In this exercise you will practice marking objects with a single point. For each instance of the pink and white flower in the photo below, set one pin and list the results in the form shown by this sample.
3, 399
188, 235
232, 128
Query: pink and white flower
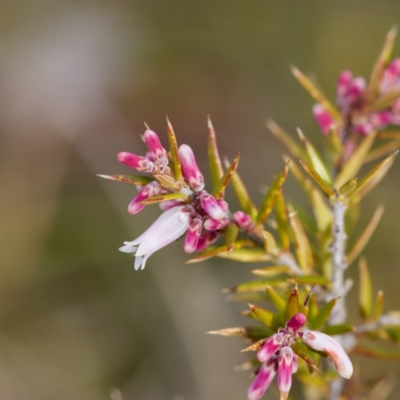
169, 226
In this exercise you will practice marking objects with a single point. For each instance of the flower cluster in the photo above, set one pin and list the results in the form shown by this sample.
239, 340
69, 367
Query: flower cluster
359, 114
188, 208
277, 356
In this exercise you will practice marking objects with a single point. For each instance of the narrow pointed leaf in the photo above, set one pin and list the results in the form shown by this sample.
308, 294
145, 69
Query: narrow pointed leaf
230, 234
268, 272
348, 187
269, 199
217, 250
292, 306
322, 317
311, 279
213, 156
321, 183
304, 352
382, 151
282, 222
218, 192
338, 329
258, 332
269, 242
353, 165
384, 101
376, 351
132, 179
294, 149
366, 235
378, 307
312, 307
256, 286
301, 243
277, 300
375, 171
173, 148
315, 159
381, 62
268, 318
246, 255
316, 94
164, 197
242, 194
365, 293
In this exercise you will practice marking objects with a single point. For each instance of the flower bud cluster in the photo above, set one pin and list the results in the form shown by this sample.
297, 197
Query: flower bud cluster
278, 357
196, 212
353, 100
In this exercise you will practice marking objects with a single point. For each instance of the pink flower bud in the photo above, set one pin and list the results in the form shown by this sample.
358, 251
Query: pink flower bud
321, 342
296, 322
381, 119
153, 143
285, 362
344, 80
142, 164
211, 207
207, 239
192, 235
166, 205
149, 190
223, 204
215, 225
356, 89
190, 169
243, 220
270, 347
322, 117
261, 382
390, 79
364, 128
169, 226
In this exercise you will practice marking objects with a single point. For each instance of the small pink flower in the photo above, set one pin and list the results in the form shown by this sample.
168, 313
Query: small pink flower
211, 207
323, 118
243, 220
270, 347
142, 164
285, 365
215, 225
151, 189
192, 235
190, 169
263, 379
157, 150
169, 226
206, 239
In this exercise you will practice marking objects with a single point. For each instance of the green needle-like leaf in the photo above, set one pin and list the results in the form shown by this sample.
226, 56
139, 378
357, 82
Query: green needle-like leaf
268, 318
308, 355
315, 159
292, 306
322, 184
278, 301
338, 329
301, 243
132, 179
378, 307
268, 272
316, 94
365, 293
270, 197
164, 197
353, 165
320, 319
173, 148
223, 182
230, 234
213, 156
282, 221
242, 194
294, 149
348, 187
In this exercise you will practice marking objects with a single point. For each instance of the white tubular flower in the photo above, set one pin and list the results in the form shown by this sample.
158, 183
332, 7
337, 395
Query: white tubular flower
321, 342
169, 226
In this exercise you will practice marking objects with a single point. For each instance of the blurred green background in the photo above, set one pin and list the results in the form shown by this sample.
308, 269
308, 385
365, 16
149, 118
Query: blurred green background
78, 78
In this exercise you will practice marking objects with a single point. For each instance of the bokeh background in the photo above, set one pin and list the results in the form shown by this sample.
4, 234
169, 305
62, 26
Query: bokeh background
77, 80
